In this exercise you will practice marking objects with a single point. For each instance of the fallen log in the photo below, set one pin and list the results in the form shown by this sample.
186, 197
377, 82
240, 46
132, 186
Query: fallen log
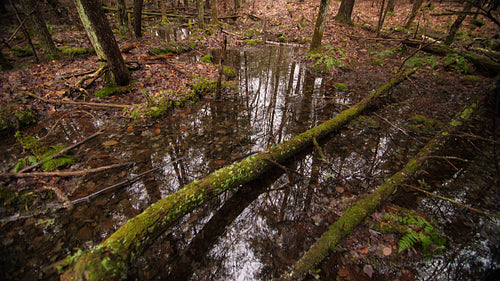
481, 63
355, 214
111, 259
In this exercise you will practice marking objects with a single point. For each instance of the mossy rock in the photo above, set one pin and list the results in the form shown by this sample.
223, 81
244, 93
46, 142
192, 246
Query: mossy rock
14, 118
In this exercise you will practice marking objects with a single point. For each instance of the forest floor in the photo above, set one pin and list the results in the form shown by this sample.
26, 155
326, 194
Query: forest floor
442, 84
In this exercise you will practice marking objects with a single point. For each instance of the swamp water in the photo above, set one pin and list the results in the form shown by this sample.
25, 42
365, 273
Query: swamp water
257, 231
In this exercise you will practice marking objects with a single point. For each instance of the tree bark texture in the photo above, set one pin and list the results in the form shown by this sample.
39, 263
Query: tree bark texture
102, 38
390, 5
345, 11
319, 27
40, 29
414, 11
355, 214
456, 25
215, 12
111, 259
200, 6
122, 17
138, 18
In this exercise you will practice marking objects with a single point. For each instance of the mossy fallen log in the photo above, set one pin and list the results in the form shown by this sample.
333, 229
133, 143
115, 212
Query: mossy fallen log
482, 63
111, 259
355, 214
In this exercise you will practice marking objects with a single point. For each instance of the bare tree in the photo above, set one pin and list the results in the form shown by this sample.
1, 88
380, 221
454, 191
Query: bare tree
345, 11
456, 25
138, 18
414, 11
319, 27
200, 6
97, 26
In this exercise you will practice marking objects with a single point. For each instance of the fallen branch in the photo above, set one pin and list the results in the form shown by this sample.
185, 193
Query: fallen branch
355, 214
113, 105
61, 152
111, 259
454, 202
62, 174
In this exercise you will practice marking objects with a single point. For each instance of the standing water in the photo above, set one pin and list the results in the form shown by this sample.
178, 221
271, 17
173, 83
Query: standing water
254, 232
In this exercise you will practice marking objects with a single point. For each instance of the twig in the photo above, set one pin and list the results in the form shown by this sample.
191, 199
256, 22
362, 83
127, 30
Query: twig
76, 102
61, 152
453, 201
320, 151
62, 173
60, 195
118, 185
22, 24
389, 122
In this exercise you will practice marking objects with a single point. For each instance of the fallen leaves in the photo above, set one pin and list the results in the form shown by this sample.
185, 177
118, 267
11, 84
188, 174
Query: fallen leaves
110, 143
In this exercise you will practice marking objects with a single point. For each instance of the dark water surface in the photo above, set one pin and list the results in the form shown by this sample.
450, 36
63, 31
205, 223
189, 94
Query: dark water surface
258, 230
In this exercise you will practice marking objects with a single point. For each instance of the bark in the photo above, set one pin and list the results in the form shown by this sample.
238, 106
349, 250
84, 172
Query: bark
102, 38
137, 18
345, 11
200, 6
390, 5
381, 18
111, 259
4, 62
319, 27
414, 11
40, 29
456, 25
122, 17
481, 63
163, 8
215, 15
355, 214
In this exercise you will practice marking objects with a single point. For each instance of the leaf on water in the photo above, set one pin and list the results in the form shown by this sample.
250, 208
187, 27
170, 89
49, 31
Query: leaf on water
387, 251
368, 269
110, 143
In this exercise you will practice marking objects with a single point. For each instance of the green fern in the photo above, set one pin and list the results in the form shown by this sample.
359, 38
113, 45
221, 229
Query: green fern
415, 230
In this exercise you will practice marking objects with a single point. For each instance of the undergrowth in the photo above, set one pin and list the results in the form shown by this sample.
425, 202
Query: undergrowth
414, 228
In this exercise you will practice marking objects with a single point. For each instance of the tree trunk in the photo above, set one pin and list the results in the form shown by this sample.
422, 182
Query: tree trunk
4, 62
122, 17
456, 25
40, 29
355, 214
414, 11
319, 27
111, 259
381, 18
345, 11
390, 6
163, 8
215, 16
102, 38
138, 18
200, 6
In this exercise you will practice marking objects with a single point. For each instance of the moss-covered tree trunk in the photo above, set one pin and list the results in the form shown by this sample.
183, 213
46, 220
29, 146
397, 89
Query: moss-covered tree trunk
122, 17
102, 38
345, 11
319, 27
355, 214
111, 259
39, 28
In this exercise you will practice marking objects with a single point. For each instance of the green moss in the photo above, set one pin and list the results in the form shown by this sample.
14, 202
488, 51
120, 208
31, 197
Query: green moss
472, 79
340, 86
421, 123
110, 90
229, 72
207, 59
67, 50
253, 42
